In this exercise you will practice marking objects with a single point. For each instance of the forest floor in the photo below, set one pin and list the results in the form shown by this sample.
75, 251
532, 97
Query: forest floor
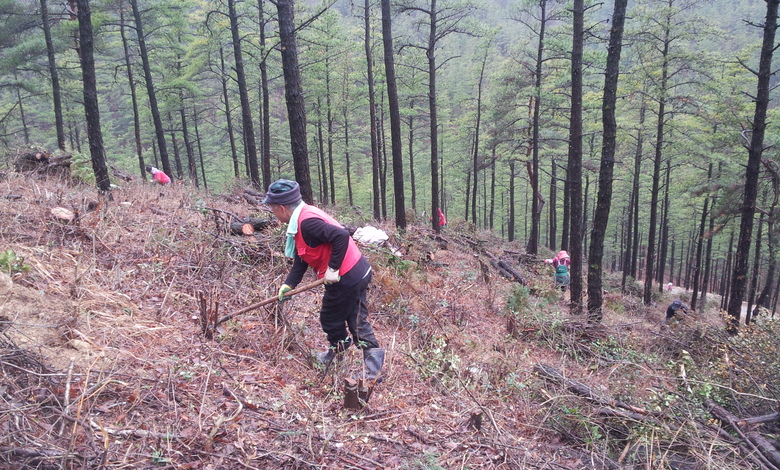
106, 363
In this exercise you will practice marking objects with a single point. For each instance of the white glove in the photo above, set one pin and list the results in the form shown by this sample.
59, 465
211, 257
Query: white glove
332, 276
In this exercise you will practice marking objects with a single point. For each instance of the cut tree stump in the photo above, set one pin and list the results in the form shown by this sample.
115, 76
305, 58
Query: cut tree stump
351, 398
62, 214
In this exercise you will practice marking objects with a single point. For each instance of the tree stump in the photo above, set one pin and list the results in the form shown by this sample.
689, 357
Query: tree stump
351, 398
62, 214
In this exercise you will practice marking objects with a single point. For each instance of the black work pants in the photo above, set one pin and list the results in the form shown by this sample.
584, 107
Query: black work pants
345, 307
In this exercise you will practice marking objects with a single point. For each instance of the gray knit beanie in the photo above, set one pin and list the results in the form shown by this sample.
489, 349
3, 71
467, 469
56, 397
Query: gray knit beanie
283, 192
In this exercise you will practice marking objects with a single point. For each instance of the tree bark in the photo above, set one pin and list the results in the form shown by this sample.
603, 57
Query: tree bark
575, 158
55, 81
200, 148
91, 110
265, 141
532, 246
395, 118
250, 149
133, 96
756, 268
511, 223
609, 139
372, 110
659, 141
664, 238
153, 107
699, 249
228, 115
754, 160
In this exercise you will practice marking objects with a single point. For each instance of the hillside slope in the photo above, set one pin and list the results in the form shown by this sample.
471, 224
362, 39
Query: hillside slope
105, 363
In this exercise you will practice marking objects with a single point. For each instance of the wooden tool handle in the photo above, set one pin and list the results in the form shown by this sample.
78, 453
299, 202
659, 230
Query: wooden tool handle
269, 300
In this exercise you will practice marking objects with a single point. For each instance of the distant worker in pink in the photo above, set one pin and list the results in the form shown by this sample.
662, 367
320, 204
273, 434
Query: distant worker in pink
669, 287
561, 263
158, 176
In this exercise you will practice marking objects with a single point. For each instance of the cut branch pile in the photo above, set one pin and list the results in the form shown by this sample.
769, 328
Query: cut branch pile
748, 443
43, 162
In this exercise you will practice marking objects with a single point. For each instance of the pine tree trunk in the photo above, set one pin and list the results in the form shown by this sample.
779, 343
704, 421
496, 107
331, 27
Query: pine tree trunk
553, 222
756, 268
627, 260
664, 239
412, 182
200, 149
511, 222
372, 110
575, 158
55, 81
395, 118
532, 247
346, 155
92, 112
323, 171
475, 158
25, 129
329, 117
133, 97
635, 187
153, 107
250, 149
176, 155
699, 249
265, 115
228, 114
725, 278
609, 139
657, 166
382, 158
492, 189
192, 166
432, 108
754, 160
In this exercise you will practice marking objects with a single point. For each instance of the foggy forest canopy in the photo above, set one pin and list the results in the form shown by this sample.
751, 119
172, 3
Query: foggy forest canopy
687, 70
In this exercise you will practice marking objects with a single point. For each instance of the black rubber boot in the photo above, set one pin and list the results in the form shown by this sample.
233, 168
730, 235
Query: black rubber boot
373, 360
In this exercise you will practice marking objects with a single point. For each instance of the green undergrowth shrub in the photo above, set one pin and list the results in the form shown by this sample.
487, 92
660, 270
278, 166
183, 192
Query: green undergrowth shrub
748, 369
11, 263
532, 315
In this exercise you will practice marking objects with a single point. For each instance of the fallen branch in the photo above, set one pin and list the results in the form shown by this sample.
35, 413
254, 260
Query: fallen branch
583, 390
505, 270
769, 456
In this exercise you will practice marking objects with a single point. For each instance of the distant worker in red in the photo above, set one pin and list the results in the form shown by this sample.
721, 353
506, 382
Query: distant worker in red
561, 263
317, 240
158, 176
442, 219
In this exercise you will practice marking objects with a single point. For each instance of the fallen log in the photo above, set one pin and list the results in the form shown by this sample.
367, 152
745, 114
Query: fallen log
505, 269
765, 451
122, 175
249, 225
583, 390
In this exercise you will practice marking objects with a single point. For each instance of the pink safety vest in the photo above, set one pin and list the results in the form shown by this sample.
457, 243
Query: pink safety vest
161, 177
319, 256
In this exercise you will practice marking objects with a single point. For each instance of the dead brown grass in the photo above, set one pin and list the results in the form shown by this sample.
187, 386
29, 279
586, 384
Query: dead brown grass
104, 364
